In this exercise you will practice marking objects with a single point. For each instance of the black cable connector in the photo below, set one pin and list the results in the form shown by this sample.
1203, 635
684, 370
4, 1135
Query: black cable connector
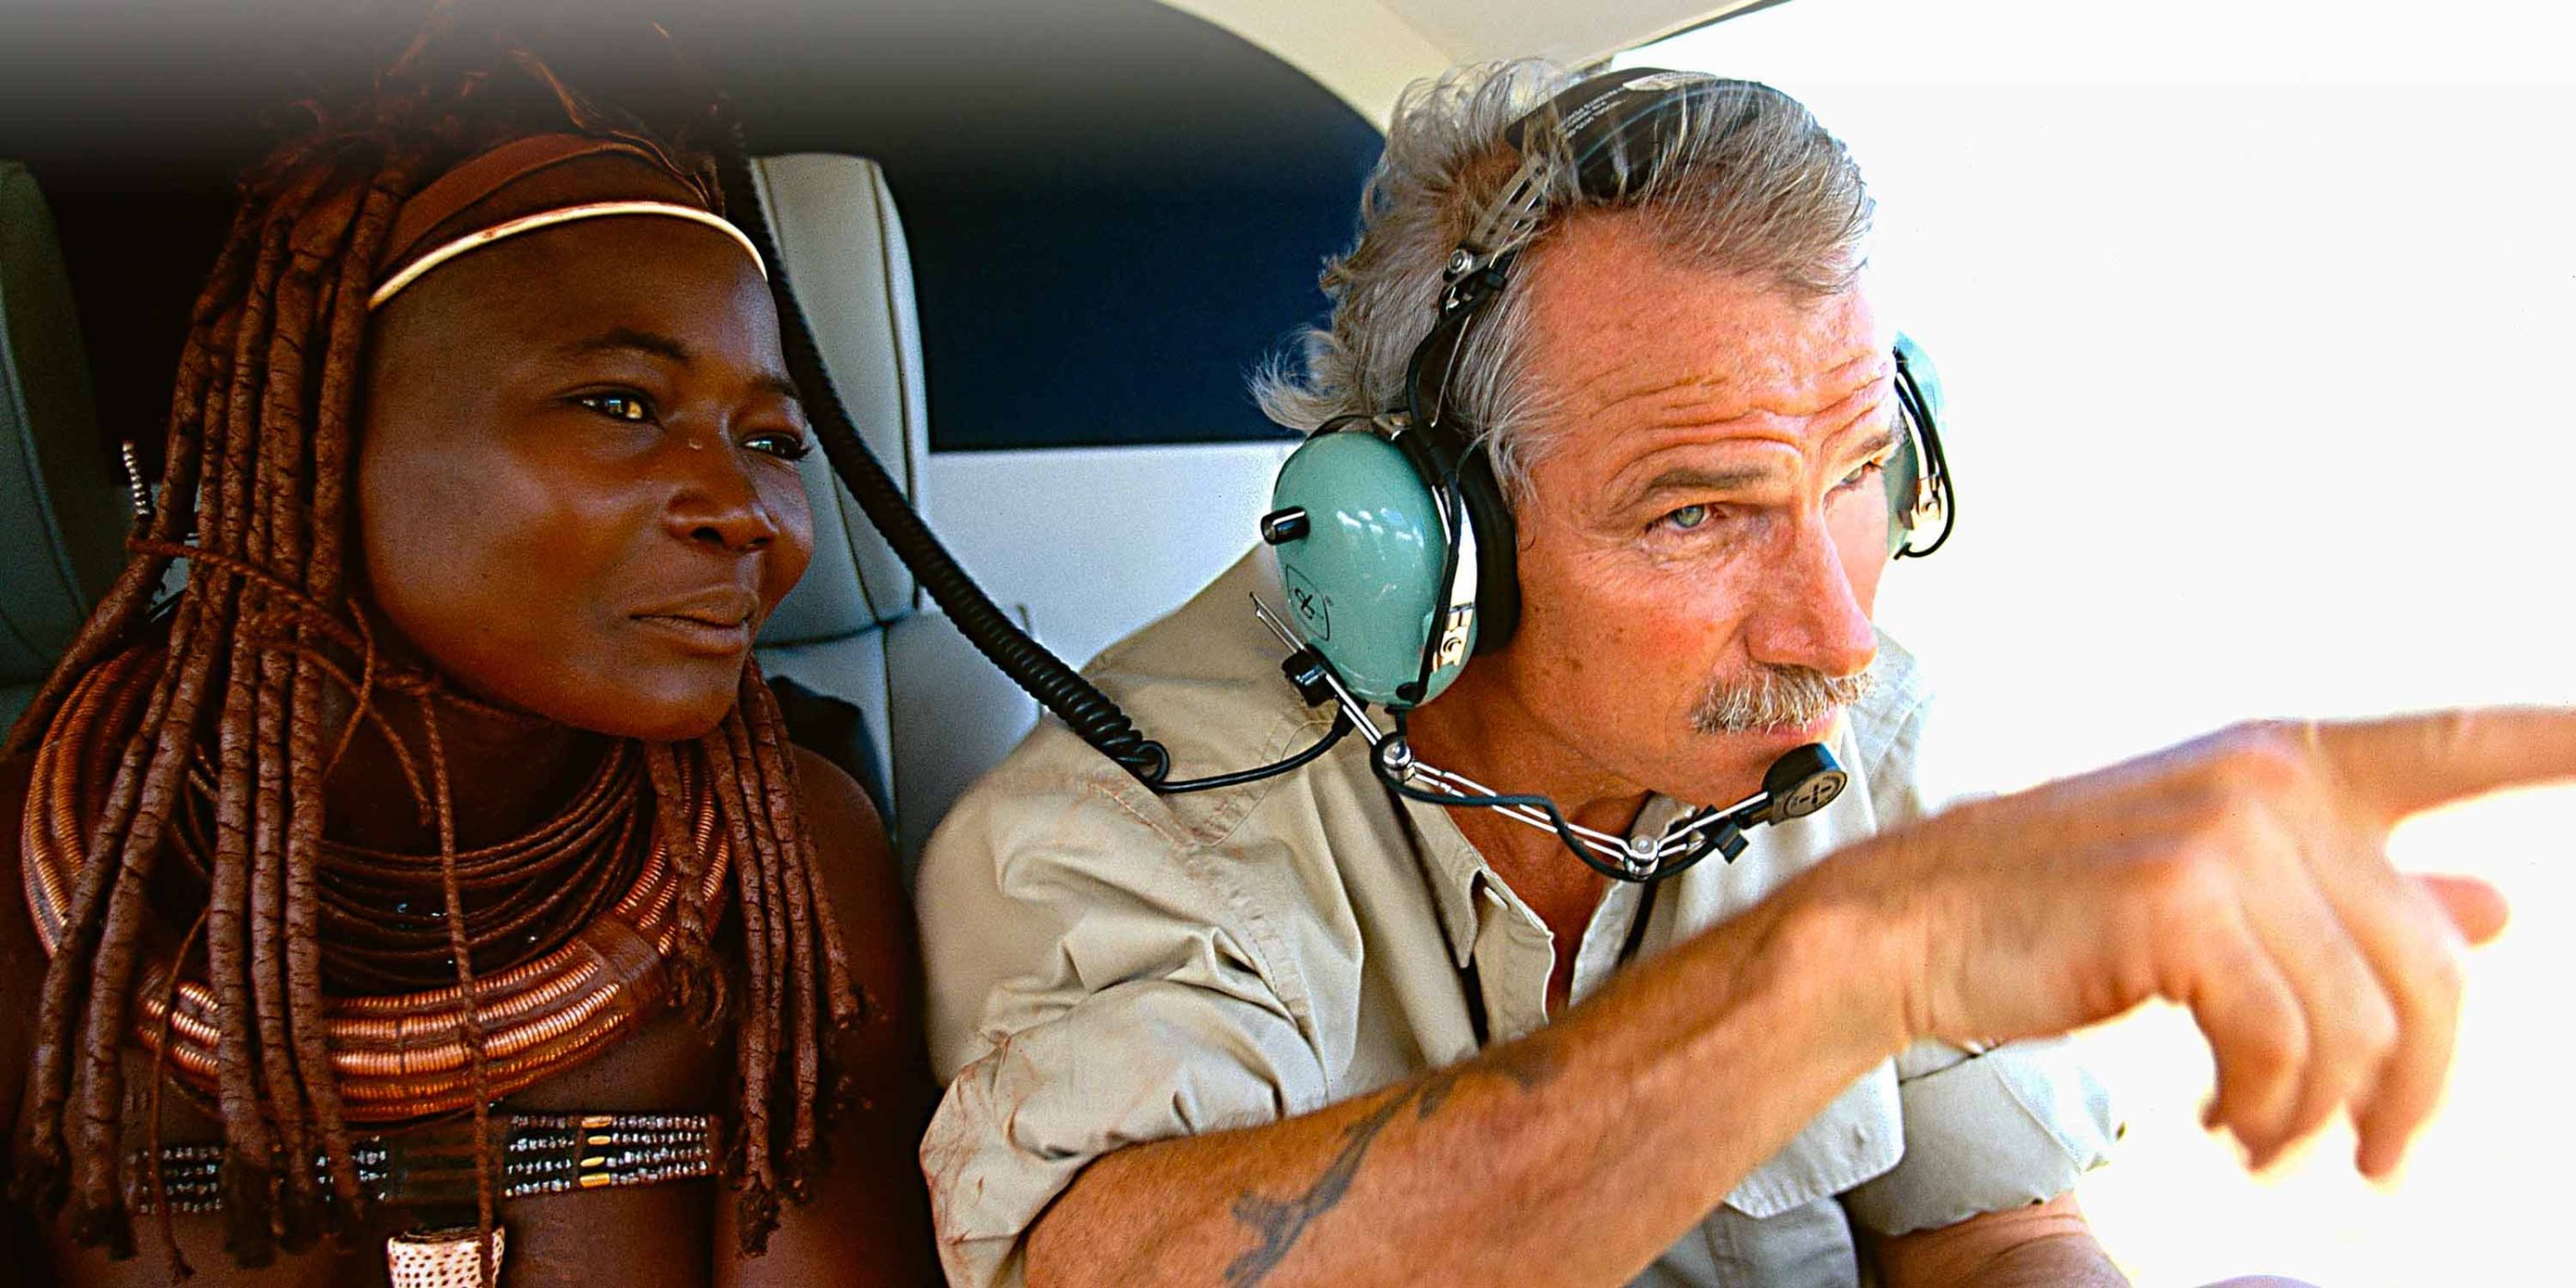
1306, 671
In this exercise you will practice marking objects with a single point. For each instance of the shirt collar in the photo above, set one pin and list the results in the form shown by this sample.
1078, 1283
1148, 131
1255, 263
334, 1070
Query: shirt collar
1454, 865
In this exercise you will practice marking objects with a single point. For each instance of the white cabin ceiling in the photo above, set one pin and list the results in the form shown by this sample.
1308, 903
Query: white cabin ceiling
1474, 30
1367, 51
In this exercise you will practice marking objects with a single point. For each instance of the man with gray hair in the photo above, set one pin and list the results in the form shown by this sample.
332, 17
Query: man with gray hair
1327, 1025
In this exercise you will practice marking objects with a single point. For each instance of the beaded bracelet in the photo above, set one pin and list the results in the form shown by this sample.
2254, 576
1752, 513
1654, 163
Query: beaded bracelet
539, 1154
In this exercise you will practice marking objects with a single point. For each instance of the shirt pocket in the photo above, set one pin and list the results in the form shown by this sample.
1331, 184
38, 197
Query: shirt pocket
1860, 1135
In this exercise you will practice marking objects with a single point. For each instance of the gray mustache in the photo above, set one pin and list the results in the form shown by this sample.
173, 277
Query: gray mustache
1775, 697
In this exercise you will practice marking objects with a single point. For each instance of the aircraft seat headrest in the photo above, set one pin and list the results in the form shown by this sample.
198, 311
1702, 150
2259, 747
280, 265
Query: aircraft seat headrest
63, 515
837, 230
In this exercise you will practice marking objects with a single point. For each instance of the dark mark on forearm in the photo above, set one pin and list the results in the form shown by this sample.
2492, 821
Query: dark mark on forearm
1528, 1065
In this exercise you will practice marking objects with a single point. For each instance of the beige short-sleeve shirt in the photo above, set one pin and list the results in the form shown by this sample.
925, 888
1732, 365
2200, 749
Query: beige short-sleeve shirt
1110, 967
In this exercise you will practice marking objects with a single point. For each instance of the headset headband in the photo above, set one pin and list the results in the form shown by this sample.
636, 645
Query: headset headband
1614, 131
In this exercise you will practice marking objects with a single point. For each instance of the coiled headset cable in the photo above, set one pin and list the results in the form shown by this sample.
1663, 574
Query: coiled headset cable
1087, 711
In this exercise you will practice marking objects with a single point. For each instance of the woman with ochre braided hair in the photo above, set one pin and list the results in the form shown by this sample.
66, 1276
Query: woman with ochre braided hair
429, 888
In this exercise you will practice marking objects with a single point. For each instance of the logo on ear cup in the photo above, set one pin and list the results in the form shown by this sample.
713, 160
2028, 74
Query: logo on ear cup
1454, 637
1314, 608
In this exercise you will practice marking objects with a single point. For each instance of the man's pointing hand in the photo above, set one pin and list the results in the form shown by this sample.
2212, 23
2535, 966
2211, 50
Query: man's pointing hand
2244, 875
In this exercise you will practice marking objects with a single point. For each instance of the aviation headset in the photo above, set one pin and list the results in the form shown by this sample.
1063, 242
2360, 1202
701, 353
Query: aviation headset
1393, 538
1395, 542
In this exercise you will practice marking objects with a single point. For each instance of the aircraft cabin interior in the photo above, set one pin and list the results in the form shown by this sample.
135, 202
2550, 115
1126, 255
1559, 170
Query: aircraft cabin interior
1044, 246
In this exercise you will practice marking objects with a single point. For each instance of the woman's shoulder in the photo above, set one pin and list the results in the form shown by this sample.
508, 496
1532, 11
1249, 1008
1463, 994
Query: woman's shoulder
865, 884
850, 838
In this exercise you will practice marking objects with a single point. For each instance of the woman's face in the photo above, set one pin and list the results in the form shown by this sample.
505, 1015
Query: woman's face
577, 489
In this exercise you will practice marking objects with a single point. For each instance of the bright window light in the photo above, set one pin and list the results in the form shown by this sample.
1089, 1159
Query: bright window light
2256, 322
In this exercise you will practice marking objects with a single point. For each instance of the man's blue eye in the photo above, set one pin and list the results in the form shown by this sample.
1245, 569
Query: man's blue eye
1859, 476
1687, 518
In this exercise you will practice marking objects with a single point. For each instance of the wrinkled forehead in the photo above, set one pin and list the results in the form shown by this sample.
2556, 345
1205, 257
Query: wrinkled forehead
1622, 328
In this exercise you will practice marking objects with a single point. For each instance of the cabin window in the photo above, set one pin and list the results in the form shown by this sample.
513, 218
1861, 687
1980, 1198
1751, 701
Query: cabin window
2253, 321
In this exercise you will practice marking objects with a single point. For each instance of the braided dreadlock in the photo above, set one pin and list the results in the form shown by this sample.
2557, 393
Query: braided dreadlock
256, 499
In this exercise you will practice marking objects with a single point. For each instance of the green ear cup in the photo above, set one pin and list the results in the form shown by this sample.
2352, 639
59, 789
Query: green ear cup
1361, 551
1904, 471
1926, 376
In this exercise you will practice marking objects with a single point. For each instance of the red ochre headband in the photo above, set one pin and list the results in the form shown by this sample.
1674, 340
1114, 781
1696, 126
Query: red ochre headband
492, 172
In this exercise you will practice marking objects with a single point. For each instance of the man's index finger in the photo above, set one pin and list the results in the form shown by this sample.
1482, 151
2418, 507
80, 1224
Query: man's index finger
2406, 764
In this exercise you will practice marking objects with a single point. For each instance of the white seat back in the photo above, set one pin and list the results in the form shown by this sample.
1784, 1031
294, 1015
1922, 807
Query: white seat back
935, 715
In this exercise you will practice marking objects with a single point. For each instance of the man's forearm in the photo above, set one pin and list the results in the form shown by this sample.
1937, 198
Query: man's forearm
1573, 1155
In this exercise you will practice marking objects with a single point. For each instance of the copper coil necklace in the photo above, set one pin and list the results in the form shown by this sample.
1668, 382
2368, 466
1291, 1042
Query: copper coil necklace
383, 926
575, 971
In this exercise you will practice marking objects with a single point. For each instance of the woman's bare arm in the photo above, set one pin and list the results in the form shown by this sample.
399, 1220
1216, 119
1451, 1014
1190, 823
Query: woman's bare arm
868, 1221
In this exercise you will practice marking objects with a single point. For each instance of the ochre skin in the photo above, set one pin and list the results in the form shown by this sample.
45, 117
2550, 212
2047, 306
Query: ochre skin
563, 518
